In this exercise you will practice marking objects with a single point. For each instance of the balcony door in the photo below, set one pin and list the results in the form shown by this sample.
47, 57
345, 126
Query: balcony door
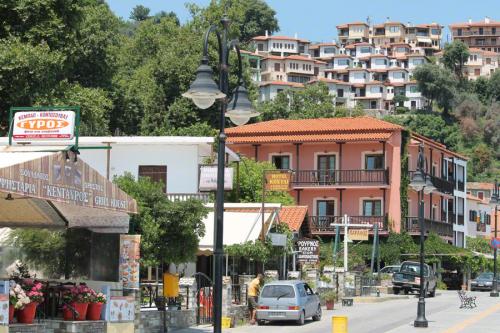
372, 207
281, 162
325, 210
326, 167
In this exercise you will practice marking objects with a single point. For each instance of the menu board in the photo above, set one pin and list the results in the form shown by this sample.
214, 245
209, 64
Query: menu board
129, 260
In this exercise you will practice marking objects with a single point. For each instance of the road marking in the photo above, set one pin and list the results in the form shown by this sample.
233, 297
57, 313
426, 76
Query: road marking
474, 319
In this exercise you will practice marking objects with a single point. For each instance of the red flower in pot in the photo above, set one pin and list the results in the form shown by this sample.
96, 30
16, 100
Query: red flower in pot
76, 302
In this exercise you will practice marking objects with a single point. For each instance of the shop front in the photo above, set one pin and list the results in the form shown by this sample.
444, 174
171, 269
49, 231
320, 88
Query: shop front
50, 187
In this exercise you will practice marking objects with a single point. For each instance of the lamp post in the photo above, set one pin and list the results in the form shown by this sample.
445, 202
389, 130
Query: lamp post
421, 184
204, 92
495, 200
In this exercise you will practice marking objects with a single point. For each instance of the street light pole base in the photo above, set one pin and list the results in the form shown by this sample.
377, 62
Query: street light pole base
494, 294
421, 323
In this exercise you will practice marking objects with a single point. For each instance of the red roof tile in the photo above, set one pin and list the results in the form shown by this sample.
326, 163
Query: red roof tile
280, 38
293, 216
313, 130
282, 83
479, 186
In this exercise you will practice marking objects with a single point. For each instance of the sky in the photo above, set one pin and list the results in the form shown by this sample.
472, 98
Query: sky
316, 19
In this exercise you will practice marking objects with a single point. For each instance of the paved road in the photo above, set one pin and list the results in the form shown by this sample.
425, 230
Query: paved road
396, 317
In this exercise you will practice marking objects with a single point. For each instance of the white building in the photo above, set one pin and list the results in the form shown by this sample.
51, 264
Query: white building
478, 217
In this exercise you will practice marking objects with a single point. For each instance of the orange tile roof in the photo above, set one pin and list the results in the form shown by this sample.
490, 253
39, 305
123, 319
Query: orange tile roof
324, 79
475, 24
282, 83
438, 145
479, 186
293, 216
313, 130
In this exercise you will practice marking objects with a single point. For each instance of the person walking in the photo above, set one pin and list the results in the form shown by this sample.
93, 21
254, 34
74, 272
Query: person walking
253, 296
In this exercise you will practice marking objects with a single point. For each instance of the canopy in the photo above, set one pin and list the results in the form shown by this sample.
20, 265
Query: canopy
55, 189
239, 227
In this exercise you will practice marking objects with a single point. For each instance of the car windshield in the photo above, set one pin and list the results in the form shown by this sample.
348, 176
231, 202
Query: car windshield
278, 291
412, 268
485, 276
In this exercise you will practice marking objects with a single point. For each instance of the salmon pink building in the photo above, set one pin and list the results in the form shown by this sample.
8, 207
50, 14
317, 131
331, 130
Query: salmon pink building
360, 167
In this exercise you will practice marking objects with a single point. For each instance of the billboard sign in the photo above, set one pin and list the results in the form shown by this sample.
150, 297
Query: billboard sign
208, 178
43, 125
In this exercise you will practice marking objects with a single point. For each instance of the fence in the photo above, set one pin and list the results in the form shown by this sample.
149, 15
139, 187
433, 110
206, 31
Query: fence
151, 291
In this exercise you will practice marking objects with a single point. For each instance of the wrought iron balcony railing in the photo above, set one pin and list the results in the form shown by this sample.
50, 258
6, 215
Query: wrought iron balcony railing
340, 177
442, 185
443, 229
326, 224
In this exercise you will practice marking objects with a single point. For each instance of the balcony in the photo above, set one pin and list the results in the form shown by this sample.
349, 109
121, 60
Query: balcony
321, 178
442, 185
322, 225
443, 229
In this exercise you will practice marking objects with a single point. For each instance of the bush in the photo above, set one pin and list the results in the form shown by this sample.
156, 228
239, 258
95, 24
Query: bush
441, 285
328, 296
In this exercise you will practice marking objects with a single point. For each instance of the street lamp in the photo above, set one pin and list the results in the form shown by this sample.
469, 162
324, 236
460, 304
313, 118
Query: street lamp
495, 200
204, 92
421, 183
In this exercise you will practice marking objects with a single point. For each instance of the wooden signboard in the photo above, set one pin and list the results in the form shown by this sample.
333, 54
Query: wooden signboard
278, 180
358, 234
56, 177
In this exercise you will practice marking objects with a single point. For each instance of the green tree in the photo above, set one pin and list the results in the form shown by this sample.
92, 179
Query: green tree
139, 13
494, 86
250, 184
481, 159
437, 84
170, 230
454, 56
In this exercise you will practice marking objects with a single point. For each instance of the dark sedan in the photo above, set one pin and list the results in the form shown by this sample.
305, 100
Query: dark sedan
484, 281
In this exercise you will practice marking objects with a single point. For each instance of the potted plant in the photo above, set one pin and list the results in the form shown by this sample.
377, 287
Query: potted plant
17, 299
329, 297
97, 300
76, 303
33, 291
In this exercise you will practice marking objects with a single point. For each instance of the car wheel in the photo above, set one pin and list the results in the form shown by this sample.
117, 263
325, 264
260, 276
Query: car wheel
317, 316
302, 319
260, 322
396, 291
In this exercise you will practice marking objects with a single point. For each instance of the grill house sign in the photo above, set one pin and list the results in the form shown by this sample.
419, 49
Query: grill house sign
55, 178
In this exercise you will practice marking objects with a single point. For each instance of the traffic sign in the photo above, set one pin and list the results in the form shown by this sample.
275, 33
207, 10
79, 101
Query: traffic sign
495, 243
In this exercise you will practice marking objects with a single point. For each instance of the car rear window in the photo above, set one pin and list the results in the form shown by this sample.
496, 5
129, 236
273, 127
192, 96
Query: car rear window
276, 291
413, 268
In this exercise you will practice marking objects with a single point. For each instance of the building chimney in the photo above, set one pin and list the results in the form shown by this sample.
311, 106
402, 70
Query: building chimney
267, 33
487, 20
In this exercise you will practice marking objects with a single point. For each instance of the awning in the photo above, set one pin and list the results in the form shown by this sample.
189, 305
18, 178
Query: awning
424, 40
55, 189
239, 228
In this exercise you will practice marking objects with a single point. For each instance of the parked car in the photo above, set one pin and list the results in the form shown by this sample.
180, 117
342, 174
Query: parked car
483, 281
288, 300
388, 270
408, 279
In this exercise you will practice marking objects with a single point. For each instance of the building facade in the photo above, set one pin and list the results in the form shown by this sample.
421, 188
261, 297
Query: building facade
478, 217
484, 35
356, 167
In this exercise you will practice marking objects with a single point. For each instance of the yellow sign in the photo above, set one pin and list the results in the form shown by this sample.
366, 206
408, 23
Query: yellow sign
277, 181
358, 234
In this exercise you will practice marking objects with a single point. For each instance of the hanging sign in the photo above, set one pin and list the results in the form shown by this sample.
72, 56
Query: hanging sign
358, 234
129, 260
208, 178
278, 180
308, 251
495, 243
43, 125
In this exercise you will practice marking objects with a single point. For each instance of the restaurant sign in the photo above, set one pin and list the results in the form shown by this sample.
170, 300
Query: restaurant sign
129, 260
308, 251
277, 180
43, 125
56, 177
358, 234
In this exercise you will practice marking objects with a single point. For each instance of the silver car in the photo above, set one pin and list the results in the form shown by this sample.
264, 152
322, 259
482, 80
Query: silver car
290, 300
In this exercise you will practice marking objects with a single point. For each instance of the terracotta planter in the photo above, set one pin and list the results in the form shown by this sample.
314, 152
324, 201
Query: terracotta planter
94, 311
27, 314
11, 313
329, 305
80, 308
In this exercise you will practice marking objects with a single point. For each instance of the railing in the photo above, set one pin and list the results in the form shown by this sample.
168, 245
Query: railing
476, 33
443, 229
460, 185
323, 224
204, 197
442, 185
151, 291
340, 177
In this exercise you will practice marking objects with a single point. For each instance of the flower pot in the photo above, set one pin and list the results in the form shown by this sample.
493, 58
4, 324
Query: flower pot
329, 305
80, 308
27, 314
94, 311
11, 313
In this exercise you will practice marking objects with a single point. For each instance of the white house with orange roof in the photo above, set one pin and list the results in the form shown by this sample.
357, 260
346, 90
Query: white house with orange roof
484, 34
354, 166
479, 217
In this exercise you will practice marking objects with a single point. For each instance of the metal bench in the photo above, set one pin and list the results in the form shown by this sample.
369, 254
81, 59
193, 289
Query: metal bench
347, 301
466, 302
